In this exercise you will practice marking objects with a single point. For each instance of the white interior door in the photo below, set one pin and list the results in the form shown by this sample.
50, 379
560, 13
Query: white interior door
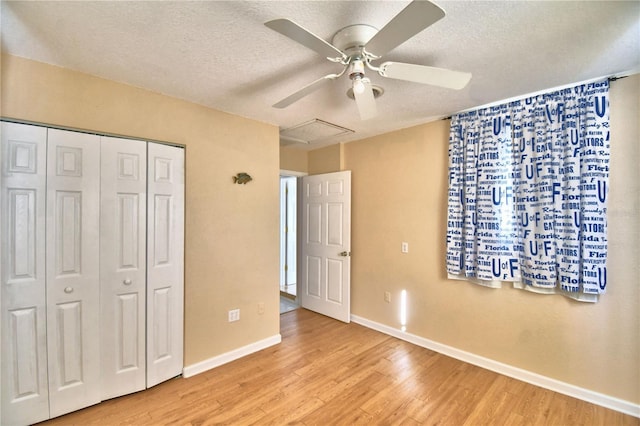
25, 394
165, 262
326, 244
73, 223
122, 265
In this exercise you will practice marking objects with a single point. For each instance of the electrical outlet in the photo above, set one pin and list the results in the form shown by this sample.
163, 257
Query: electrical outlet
387, 297
260, 308
234, 315
405, 247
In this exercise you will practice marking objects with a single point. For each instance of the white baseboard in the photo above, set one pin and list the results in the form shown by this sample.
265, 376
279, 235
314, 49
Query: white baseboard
216, 361
607, 401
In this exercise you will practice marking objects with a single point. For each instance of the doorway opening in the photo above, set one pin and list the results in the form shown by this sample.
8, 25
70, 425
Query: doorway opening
288, 240
288, 189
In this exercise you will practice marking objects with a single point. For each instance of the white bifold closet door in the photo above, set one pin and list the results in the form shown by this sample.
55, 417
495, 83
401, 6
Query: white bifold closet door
165, 263
91, 269
25, 386
123, 265
142, 264
73, 265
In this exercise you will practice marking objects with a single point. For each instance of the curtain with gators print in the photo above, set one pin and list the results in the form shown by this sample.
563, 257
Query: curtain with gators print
528, 184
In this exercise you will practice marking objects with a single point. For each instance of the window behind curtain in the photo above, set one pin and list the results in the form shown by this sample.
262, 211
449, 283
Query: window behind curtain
528, 184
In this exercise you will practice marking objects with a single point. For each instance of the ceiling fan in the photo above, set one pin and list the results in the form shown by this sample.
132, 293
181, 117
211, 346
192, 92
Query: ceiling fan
356, 46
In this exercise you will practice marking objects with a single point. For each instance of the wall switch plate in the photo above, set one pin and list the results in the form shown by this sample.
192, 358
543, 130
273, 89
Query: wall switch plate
234, 315
387, 297
405, 247
260, 308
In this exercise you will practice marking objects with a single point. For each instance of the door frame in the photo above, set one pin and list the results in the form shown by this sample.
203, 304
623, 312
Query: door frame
298, 175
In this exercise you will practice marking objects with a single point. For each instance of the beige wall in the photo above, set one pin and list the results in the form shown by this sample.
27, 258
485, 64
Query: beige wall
228, 227
323, 160
400, 194
326, 160
293, 159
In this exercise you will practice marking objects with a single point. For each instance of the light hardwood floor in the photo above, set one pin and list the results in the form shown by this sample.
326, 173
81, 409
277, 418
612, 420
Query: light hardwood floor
326, 372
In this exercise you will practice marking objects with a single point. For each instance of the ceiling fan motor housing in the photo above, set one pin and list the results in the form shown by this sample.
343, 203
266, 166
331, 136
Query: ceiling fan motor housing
352, 39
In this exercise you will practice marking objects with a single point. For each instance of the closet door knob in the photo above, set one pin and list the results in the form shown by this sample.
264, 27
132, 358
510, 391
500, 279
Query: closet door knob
68, 290
127, 281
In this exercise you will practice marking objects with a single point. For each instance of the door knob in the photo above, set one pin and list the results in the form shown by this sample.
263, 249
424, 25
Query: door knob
68, 290
345, 253
127, 281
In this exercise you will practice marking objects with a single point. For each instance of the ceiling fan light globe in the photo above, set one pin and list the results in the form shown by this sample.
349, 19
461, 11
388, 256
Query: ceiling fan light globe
358, 86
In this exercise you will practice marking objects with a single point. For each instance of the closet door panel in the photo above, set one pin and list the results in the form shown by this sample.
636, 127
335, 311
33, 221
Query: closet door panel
123, 265
165, 263
72, 244
25, 394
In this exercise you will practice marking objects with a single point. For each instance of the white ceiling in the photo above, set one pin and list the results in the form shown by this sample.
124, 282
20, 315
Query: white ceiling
219, 53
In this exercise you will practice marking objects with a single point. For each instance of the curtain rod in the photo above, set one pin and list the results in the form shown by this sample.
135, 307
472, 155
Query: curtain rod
610, 78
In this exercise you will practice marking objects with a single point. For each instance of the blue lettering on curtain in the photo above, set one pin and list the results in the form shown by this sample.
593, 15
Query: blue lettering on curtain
528, 185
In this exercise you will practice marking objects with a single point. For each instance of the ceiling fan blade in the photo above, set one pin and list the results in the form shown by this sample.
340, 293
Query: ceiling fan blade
425, 75
366, 101
304, 37
414, 18
306, 90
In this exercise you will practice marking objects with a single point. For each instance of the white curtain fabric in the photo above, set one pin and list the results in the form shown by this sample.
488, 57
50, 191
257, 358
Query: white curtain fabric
528, 185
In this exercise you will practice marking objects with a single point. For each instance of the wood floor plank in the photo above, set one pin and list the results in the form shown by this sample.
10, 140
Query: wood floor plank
291, 410
326, 372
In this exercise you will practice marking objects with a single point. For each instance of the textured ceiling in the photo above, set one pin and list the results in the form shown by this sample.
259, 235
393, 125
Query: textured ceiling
219, 53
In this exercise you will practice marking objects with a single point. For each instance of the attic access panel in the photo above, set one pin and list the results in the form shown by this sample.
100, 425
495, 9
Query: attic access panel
312, 131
